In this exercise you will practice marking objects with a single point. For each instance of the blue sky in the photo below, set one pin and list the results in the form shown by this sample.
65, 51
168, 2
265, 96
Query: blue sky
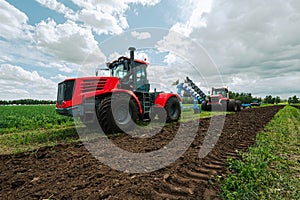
249, 46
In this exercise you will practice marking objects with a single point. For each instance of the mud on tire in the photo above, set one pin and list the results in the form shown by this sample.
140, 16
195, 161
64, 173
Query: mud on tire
117, 113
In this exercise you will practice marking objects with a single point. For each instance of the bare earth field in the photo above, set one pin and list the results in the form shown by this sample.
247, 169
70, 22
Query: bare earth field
69, 171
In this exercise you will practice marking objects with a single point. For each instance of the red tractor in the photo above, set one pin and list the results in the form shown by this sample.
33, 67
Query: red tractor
116, 102
219, 100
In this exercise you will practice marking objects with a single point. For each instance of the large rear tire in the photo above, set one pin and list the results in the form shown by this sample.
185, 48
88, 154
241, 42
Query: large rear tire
232, 106
117, 113
224, 106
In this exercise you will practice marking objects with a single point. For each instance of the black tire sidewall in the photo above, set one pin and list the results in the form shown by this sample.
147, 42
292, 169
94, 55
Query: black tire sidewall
129, 103
173, 103
106, 117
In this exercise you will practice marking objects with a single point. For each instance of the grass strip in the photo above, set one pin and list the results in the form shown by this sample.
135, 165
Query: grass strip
271, 168
24, 141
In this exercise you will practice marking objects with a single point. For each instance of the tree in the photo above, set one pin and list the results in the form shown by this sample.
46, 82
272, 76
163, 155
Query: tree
293, 99
26, 102
277, 99
269, 99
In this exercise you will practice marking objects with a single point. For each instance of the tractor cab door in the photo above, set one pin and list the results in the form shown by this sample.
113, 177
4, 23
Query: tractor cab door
142, 83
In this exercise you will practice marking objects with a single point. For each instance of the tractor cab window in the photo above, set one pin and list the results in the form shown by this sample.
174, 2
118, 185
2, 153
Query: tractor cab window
140, 74
119, 71
142, 83
222, 92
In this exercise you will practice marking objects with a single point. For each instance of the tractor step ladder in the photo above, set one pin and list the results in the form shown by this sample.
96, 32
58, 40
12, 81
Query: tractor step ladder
146, 103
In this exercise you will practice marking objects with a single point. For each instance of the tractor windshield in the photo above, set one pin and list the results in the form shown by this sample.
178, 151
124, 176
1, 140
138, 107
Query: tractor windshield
119, 71
220, 91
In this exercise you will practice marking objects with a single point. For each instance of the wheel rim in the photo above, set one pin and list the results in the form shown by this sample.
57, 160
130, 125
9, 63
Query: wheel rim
122, 114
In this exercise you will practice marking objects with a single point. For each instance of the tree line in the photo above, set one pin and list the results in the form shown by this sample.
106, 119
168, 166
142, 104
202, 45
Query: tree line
243, 97
26, 102
293, 99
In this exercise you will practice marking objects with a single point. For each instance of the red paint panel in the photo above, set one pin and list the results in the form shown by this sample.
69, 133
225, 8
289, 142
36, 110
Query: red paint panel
162, 98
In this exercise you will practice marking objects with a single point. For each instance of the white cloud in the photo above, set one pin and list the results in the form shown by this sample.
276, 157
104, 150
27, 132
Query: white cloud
57, 6
59, 77
186, 55
106, 16
259, 39
19, 83
262, 87
68, 42
197, 11
141, 35
13, 22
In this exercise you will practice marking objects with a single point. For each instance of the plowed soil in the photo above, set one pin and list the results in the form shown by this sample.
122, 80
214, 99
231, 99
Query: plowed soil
69, 171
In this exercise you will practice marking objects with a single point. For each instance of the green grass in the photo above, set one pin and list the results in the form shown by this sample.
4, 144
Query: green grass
269, 104
188, 115
270, 169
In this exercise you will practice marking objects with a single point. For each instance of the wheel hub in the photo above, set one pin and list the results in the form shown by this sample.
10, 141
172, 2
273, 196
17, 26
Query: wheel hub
122, 114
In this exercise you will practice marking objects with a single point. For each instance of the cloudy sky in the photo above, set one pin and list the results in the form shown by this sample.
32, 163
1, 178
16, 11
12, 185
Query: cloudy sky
249, 46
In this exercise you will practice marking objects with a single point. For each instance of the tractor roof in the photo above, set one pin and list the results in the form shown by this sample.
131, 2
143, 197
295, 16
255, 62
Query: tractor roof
120, 60
138, 61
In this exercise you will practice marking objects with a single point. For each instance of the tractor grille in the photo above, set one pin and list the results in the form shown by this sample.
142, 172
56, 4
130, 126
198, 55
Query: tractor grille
92, 85
65, 91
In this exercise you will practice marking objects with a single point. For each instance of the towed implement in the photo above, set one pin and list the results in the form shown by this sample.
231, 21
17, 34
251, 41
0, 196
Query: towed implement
117, 101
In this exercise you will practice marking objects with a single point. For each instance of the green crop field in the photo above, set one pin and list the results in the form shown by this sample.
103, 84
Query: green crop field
24, 128
28, 127
26, 118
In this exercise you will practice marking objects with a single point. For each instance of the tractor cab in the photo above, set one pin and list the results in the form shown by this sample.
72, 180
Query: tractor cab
220, 91
132, 74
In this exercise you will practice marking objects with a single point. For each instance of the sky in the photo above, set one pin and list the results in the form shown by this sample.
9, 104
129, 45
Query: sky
249, 46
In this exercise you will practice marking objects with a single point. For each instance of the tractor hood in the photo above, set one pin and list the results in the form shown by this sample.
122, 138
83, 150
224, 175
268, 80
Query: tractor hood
71, 92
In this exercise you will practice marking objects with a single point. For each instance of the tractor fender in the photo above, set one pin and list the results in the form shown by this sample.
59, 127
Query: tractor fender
162, 99
132, 95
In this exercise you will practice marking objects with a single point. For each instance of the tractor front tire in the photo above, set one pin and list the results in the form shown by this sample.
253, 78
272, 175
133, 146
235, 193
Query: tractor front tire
117, 114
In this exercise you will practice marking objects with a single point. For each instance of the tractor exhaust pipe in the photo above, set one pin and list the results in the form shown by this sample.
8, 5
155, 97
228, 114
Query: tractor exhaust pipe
132, 49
